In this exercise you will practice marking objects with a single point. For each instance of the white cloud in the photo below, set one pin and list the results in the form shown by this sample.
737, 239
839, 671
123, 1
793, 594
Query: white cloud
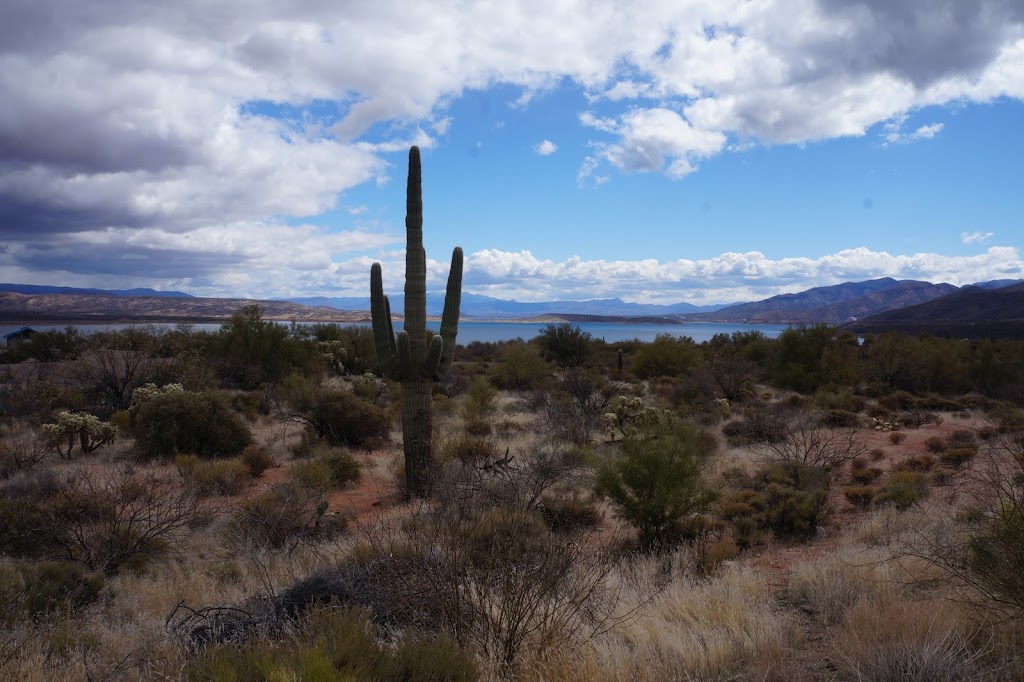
975, 237
181, 118
545, 148
726, 278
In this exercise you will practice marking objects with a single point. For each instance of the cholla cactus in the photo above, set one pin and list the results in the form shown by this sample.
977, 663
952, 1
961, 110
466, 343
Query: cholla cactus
629, 415
85, 430
150, 391
333, 354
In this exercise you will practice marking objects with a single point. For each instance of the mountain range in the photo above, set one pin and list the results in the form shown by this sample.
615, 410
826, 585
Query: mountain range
971, 312
486, 307
993, 308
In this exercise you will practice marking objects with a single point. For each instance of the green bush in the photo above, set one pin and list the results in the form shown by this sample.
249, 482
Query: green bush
339, 417
330, 469
521, 368
905, 488
790, 499
657, 481
257, 459
860, 495
189, 423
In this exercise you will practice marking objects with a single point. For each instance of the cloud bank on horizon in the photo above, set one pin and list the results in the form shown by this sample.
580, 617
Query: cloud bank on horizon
214, 146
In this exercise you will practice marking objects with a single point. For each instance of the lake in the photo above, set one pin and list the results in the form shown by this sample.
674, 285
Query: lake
504, 331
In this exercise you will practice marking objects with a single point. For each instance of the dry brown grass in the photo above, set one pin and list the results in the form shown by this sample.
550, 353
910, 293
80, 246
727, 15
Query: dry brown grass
707, 629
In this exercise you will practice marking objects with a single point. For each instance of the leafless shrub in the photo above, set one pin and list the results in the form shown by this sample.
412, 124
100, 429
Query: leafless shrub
21, 449
495, 576
105, 522
807, 440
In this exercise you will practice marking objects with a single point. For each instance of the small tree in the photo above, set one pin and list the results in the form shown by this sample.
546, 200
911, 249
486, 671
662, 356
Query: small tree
657, 482
565, 344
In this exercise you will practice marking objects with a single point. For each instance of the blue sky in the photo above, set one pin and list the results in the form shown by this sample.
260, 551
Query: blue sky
657, 151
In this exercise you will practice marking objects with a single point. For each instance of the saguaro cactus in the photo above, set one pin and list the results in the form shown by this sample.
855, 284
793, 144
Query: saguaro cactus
412, 358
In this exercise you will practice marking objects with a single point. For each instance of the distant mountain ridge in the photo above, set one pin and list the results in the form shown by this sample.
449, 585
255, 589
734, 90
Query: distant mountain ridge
971, 312
476, 305
104, 307
844, 303
34, 289
834, 304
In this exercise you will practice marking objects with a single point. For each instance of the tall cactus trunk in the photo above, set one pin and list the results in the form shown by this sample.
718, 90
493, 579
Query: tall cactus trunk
410, 359
417, 435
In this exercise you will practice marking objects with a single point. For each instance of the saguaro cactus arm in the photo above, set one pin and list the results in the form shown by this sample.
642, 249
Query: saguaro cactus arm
450, 317
383, 330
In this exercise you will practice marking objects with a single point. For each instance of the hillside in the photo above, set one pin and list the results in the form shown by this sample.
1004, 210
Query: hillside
58, 308
972, 312
834, 304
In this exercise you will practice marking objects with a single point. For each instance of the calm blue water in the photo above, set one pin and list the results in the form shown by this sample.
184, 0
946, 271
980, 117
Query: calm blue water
504, 331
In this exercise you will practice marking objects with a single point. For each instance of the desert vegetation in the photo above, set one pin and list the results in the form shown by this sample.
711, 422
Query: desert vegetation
233, 506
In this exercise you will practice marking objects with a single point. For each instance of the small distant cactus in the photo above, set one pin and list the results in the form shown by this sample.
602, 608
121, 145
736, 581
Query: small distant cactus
414, 358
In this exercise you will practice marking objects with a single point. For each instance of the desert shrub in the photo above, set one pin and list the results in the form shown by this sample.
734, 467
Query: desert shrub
958, 457
222, 477
479, 403
790, 499
338, 645
657, 481
283, 515
806, 440
472, 449
841, 418
329, 469
904, 489
257, 459
666, 355
57, 586
565, 344
521, 368
896, 437
861, 473
373, 389
569, 513
860, 495
760, 423
478, 428
962, 437
107, 523
915, 463
21, 450
480, 562
188, 423
935, 444
339, 417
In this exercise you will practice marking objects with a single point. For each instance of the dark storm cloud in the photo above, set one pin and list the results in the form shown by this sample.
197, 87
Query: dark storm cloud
919, 40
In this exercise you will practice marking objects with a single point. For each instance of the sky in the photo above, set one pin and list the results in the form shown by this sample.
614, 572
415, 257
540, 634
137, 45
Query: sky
706, 151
